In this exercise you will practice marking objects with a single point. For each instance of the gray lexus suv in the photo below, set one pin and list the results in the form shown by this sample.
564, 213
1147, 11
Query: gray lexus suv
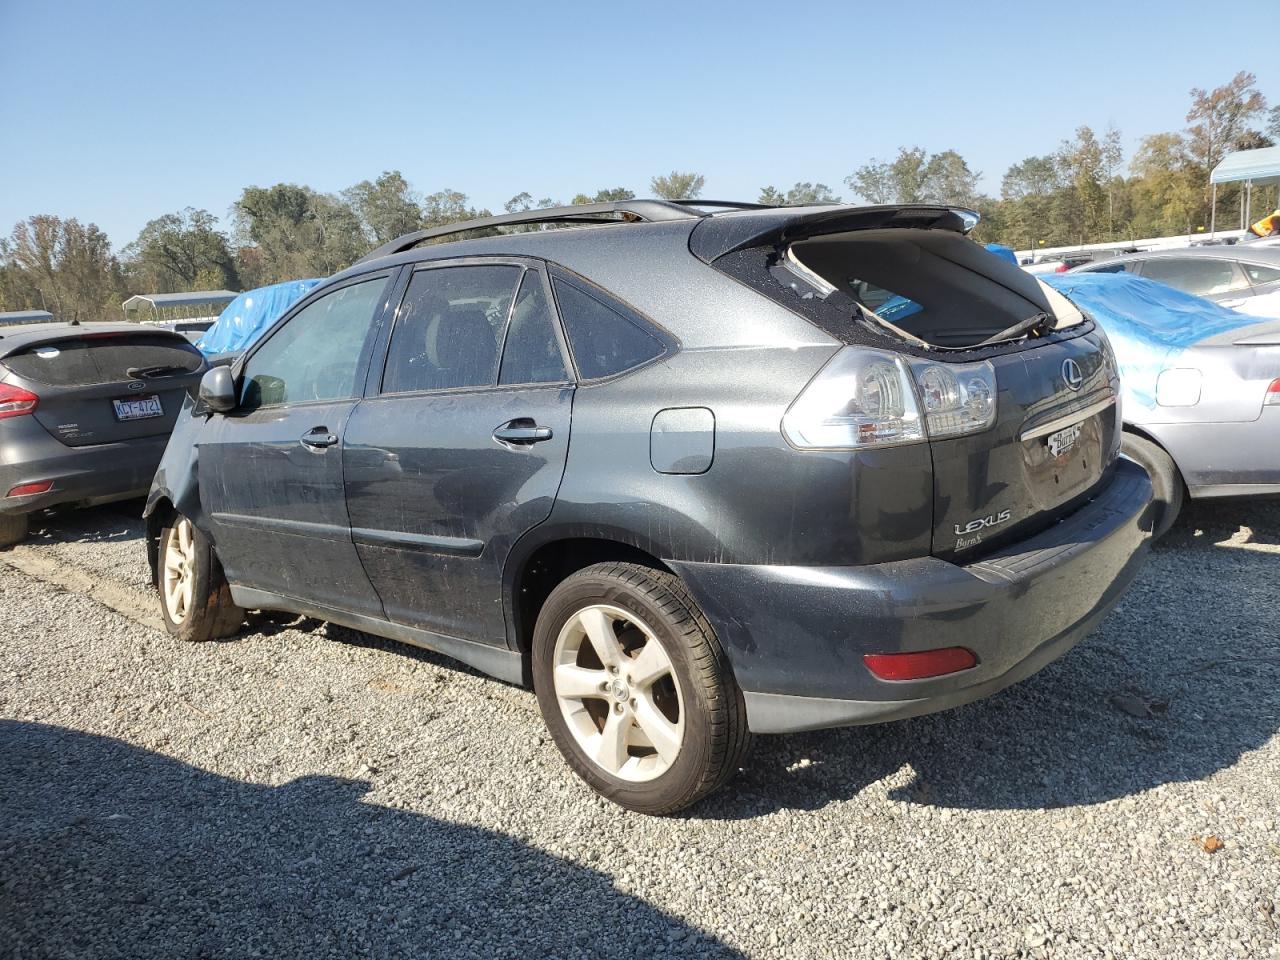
693, 471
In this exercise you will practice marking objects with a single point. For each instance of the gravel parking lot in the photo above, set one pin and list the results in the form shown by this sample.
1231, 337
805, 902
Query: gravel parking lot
310, 791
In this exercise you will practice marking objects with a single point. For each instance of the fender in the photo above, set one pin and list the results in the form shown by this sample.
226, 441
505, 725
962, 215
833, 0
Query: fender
177, 480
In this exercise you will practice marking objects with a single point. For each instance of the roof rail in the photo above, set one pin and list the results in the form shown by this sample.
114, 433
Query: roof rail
649, 211
727, 204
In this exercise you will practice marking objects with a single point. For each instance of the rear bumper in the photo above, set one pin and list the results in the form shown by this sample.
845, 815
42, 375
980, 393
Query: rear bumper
796, 636
81, 475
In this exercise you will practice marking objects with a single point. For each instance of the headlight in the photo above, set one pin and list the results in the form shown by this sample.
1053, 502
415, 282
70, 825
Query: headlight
869, 398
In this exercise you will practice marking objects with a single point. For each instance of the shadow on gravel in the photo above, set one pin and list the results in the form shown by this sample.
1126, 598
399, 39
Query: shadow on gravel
1176, 684
109, 523
110, 850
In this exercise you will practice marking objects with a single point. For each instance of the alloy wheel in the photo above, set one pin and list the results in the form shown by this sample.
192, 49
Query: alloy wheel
619, 693
179, 570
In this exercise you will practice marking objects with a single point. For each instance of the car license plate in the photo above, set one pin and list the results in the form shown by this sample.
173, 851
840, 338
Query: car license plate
138, 408
1063, 440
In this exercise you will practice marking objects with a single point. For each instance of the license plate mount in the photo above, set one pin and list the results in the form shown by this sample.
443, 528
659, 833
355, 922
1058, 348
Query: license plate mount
138, 408
1063, 440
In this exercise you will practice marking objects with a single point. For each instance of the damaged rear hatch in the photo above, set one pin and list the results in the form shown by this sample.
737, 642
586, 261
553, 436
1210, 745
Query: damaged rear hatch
1015, 390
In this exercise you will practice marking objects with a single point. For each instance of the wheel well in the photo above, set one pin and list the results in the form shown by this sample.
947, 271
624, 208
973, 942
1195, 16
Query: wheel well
156, 519
1139, 432
551, 563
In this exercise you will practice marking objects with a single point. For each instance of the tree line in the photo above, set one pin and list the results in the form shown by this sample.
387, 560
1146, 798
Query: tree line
1082, 192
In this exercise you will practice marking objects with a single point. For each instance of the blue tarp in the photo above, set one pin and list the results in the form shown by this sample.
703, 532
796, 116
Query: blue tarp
249, 314
1148, 323
1005, 253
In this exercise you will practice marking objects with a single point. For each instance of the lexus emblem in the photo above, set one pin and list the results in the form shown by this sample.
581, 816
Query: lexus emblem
1071, 374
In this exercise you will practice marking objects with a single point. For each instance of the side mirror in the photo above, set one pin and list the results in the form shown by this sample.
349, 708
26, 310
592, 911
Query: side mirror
218, 390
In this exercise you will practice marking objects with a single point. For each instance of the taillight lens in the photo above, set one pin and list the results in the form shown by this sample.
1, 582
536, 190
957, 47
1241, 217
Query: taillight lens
861, 398
957, 398
870, 398
16, 402
1061, 268
1273, 394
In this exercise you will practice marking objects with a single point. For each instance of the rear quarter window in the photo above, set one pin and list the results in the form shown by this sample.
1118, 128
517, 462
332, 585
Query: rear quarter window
604, 341
1259, 274
107, 358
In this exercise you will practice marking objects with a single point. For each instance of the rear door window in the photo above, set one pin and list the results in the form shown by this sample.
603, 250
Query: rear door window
1258, 274
105, 358
604, 341
531, 352
449, 328
1202, 277
1122, 266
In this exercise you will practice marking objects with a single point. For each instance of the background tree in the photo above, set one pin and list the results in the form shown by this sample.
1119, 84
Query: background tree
916, 177
678, 186
1166, 187
1081, 208
385, 207
603, 196
62, 266
179, 252
1218, 122
771, 195
1112, 152
1027, 191
299, 232
807, 193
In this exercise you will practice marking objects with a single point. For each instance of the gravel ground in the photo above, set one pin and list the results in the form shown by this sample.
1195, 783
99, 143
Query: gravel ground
310, 791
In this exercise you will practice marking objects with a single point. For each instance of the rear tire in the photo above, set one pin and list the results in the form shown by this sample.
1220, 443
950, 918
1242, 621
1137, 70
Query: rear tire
13, 529
654, 723
195, 599
1165, 478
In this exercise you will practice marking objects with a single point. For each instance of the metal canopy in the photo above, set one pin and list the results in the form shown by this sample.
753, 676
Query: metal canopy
1261, 166
25, 316
160, 300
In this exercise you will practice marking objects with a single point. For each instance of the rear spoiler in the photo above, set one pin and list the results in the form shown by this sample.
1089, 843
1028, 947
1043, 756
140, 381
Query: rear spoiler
714, 237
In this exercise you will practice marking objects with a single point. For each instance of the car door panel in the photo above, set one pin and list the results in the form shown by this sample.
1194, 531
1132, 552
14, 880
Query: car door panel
435, 498
271, 471
436, 502
277, 508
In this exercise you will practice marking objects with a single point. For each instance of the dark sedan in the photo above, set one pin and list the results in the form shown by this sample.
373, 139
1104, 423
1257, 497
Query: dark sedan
85, 412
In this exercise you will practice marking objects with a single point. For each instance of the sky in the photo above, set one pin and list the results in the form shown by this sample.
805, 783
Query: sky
116, 113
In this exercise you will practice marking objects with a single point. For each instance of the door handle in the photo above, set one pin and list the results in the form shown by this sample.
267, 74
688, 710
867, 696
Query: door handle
521, 431
319, 437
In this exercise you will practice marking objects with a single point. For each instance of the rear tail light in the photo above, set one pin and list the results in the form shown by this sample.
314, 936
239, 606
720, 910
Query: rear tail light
26, 489
861, 398
1061, 268
1272, 398
870, 398
920, 665
16, 402
958, 398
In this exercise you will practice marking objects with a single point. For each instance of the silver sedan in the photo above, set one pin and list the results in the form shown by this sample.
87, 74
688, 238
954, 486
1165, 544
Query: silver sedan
1201, 387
